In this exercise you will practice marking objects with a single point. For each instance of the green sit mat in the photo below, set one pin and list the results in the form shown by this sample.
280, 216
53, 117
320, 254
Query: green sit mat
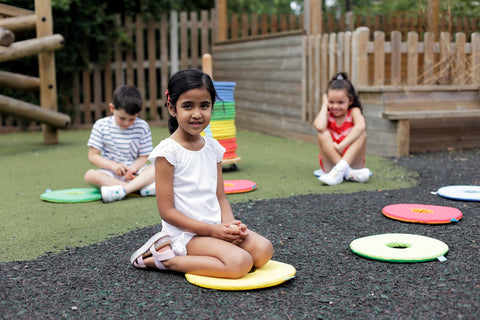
73, 195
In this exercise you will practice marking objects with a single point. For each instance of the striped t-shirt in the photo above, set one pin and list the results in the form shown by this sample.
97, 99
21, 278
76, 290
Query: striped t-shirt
121, 145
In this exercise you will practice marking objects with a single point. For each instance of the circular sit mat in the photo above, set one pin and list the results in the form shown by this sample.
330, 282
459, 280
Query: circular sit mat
72, 195
460, 192
399, 247
318, 173
422, 213
239, 186
271, 274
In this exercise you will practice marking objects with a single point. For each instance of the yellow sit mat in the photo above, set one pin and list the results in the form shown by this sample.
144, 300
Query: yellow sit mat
271, 274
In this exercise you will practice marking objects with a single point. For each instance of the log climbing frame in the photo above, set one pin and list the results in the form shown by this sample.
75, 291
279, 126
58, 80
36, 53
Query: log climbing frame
13, 19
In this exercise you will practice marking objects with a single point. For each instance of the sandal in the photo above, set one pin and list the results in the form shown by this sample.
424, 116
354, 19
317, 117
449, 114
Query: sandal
159, 240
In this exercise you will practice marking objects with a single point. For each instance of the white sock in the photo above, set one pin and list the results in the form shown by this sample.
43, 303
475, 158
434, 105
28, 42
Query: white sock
343, 166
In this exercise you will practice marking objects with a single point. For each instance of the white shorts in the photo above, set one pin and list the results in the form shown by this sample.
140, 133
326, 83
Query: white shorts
179, 243
121, 178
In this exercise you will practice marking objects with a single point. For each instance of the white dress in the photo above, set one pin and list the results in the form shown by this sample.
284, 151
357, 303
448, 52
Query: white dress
194, 185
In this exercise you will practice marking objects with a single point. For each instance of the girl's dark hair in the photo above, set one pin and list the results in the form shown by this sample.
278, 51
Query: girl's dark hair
340, 82
183, 81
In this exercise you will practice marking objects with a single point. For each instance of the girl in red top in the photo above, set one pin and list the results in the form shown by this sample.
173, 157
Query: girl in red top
342, 135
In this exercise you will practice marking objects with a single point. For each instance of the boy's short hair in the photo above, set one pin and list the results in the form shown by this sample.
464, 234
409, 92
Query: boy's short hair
129, 99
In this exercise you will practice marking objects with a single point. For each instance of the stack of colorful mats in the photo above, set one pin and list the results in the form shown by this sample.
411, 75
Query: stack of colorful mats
222, 126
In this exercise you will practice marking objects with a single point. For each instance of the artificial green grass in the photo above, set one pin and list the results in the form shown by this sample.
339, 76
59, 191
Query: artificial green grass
31, 227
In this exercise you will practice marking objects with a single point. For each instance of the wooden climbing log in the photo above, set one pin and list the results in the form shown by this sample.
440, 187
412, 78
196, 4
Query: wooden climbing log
6, 37
12, 11
19, 81
32, 112
31, 47
21, 23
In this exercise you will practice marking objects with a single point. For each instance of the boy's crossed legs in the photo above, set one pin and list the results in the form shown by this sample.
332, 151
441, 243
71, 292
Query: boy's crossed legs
113, 188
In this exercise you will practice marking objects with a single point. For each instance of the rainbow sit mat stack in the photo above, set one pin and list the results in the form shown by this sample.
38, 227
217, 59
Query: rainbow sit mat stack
222, 126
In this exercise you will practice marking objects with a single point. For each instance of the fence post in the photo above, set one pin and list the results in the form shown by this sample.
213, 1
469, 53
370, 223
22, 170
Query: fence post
432, 14
396, 57
350, 17
314, 17
360, 56
222, 20
379, 58
428, 58
173, 41
475, 58
412, 59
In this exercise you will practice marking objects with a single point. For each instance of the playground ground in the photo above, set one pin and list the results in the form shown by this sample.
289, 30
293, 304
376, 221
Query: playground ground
71, 261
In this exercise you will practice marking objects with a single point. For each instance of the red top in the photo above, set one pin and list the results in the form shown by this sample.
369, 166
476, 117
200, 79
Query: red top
339, 132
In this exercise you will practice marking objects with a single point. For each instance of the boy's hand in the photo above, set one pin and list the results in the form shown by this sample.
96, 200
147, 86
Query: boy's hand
130, 174
120, 169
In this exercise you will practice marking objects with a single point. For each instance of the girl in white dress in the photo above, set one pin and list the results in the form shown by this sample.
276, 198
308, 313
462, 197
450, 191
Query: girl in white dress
199, 232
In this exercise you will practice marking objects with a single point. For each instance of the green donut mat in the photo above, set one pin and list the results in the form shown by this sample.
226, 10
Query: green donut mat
73, 195
399, 247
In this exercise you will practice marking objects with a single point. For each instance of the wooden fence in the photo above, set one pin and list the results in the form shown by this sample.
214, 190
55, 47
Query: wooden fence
389, 63
249, 25
179, 39
406, 22
158, 49
402, 84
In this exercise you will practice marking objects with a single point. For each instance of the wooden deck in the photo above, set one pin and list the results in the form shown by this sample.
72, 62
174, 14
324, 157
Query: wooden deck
401, 120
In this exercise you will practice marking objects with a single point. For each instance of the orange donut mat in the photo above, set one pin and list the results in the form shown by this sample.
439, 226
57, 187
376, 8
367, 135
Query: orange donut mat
239, 186
421, 213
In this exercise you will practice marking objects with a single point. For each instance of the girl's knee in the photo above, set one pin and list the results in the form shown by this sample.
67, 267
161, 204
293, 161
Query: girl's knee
263, 253
239, 265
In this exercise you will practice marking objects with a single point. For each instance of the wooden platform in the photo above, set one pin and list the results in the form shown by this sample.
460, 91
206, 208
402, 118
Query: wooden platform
406, 119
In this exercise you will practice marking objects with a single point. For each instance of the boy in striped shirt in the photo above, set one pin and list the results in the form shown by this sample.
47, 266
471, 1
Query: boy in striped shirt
119, 146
